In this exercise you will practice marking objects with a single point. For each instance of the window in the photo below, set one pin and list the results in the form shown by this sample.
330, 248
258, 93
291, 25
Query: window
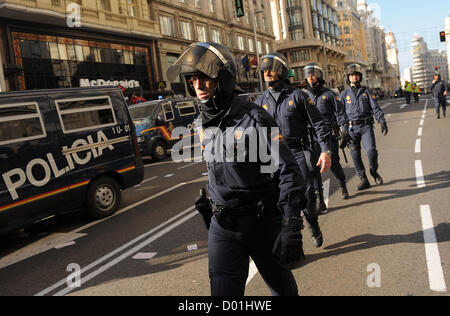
216, 36
104, 5
186, 108
197, 3
259, 47
85, 114
300, 55
20, 122
201, 33
211, 5
250, 45
240, 40
168, 112
167, 27
267, 48
186, 32
132, 10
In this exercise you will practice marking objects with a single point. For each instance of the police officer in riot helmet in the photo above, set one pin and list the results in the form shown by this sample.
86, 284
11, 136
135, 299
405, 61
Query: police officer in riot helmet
361, 107
335, 118
246, 217
295, 113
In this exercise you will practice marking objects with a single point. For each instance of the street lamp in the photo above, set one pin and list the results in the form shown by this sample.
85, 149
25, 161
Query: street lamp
256, 47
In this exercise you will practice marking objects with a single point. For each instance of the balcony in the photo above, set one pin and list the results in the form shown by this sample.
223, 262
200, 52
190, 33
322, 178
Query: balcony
54, 12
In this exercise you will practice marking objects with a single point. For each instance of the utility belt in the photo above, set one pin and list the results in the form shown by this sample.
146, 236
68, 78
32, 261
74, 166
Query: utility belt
226, 216
298, 143
364, 121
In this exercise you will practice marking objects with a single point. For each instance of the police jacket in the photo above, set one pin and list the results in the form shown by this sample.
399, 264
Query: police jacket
438, 89
329, 106
236, 177
294, 112
362, 105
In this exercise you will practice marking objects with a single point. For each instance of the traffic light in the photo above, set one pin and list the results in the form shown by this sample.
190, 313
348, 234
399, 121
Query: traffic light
442, 36
239, 8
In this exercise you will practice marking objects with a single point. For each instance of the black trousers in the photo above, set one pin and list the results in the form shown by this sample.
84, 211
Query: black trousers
229, 252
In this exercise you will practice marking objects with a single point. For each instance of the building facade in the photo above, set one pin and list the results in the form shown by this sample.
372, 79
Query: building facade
352, 33
427, 62
185, 21
307, 31
59, 44
447, 32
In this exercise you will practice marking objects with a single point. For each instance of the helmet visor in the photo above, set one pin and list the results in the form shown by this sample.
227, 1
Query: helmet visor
353, 69
272, 63
313, 70
199, 57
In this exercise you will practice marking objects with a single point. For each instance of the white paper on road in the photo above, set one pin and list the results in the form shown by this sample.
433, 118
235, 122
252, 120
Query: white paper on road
144, 255
192, 247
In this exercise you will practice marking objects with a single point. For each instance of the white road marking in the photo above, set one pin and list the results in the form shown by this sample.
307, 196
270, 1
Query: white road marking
191, 164
435, 273
403, 106
149, 179
252, 270
417, 149
120, 249
421, 122
326, 191
168, 175
419, 131
419, 174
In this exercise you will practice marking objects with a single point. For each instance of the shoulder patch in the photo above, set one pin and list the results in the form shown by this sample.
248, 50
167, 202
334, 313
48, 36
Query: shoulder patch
265, 107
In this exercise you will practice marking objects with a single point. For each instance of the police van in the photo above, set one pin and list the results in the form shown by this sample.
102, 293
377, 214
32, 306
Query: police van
63, 150
155, 121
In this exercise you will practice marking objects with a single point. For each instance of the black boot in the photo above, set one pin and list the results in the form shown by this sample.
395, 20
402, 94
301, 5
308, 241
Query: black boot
344, 191
378, 179
364, 184
321, 207
316, 238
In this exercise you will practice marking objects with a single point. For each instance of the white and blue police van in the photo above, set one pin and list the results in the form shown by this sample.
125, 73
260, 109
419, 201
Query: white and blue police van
155, 121
63, 150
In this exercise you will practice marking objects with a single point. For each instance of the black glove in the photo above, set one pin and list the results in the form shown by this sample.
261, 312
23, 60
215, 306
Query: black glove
203, 206
345, 139
288, 246
384, 128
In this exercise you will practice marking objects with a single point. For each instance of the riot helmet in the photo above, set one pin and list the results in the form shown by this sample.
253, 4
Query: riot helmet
313, 69
354, 69
211, 59
275, 62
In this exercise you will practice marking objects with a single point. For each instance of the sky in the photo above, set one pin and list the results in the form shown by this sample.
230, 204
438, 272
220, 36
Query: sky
407, 17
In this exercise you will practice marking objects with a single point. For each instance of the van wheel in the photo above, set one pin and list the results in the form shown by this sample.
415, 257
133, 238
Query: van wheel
103, 197
159, 151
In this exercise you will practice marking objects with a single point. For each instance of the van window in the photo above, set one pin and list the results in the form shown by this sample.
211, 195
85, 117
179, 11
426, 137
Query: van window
85, 114
186, 108
20, 122
168, 112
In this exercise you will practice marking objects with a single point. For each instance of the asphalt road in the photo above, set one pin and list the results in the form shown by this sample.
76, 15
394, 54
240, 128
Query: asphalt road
392, 239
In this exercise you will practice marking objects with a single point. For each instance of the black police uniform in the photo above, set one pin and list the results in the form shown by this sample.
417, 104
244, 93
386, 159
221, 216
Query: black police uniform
247, 217
334, 116
437, 91
294, 112
360, 107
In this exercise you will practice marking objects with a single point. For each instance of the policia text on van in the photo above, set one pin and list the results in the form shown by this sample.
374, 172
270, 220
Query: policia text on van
62, 145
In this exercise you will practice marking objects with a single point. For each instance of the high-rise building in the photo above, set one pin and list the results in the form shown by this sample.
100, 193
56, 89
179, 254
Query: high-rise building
307, 31
392, 57
427, 62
